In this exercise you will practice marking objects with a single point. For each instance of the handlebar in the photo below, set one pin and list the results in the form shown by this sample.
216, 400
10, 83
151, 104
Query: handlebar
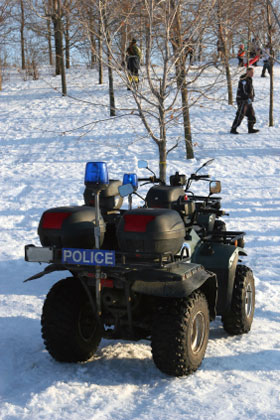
197, 177
211, 210
151, 179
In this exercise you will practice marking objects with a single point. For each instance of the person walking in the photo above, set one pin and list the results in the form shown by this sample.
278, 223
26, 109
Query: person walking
133, 57
266, 60
241, 55
189, 49
244, 98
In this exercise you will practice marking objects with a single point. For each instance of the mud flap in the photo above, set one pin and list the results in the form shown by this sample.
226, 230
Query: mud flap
49, 269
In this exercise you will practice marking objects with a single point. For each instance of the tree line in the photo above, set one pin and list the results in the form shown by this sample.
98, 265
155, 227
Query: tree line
180, 41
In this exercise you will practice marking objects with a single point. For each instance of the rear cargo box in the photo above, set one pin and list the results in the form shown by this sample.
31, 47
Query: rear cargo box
164, 196
109, 198
71, 227
151, 231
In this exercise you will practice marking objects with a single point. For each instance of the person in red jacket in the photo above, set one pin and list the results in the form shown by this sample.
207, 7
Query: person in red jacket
244, 98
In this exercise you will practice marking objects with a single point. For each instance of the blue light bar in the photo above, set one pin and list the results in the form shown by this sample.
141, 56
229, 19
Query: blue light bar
96, 173
131, 179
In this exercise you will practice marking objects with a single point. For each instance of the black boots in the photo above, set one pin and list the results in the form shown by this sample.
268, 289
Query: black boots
252, 130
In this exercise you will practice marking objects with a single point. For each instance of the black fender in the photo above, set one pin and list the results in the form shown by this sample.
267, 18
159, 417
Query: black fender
178, 282
222, 260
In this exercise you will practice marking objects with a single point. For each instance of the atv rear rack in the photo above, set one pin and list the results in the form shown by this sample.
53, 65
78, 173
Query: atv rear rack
227, 237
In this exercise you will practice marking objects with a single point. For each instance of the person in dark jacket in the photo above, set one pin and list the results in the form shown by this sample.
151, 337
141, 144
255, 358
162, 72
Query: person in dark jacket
133, 57
244, 98
266, 60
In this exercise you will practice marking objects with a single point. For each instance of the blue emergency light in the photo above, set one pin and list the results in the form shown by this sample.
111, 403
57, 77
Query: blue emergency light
96, 174
131, 179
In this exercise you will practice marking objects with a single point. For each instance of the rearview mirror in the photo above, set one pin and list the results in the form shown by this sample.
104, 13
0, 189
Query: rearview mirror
125, 190
142, 164
215, 187
208, 162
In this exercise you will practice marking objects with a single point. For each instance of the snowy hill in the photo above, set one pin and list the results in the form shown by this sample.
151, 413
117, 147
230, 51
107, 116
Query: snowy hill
45, 142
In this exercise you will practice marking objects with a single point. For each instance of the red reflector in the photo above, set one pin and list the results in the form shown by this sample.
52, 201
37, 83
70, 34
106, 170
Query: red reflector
54, 220
186, 197
137, 223
107, 283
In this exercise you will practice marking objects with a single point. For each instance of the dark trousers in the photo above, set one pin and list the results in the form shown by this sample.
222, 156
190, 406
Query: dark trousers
244, 110
133, 64
266, 66
240, 62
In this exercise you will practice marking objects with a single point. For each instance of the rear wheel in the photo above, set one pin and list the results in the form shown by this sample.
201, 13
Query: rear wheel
180, 334
69, 326
240, 317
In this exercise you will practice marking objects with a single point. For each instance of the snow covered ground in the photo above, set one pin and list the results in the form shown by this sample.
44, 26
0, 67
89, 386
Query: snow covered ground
43, 156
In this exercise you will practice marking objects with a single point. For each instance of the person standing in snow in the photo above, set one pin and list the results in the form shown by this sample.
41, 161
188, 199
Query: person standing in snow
266, 60
241, 55
133, 57
189, 49
244, 99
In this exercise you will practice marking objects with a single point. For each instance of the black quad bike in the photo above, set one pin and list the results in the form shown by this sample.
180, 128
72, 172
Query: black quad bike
160, 272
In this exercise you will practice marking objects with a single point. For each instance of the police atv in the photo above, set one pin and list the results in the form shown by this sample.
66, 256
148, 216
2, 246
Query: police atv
207, 207
210, 244
135, 274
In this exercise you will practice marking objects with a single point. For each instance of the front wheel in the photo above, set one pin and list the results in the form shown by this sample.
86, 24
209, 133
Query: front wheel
69, 326
240, 317
180, 334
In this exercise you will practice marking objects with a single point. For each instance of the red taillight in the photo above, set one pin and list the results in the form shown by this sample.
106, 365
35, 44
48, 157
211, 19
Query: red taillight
186, 197
107, 283
137, 223
54, 220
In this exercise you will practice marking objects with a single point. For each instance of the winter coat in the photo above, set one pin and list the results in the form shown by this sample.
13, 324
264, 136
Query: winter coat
241, 53
133, 57
245, 89
265, 54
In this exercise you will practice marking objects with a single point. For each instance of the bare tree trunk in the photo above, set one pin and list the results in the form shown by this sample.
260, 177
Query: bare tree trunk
92, 43
111, 84
270, 46
67, 42
100, 63
271, 90
229, 84
181, 80
103, 15
162, 160
22, 42
123, 43
58, 33
49, 31
187, 122
56, 41
49, 35
162, 142
249, 32
223, 42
